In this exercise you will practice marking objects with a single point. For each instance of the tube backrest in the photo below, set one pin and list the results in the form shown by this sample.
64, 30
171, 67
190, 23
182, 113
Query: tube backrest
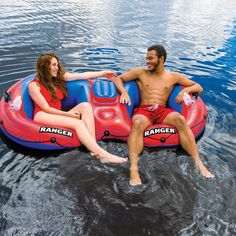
27, 101
78, 91
171, 103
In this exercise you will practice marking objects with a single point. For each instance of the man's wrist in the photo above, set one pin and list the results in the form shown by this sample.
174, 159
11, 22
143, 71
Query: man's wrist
123, 91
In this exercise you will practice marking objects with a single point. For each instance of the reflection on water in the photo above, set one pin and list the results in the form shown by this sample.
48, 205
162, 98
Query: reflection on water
72, 193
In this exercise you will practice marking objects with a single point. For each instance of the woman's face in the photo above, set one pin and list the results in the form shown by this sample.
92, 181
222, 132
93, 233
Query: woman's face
53, 68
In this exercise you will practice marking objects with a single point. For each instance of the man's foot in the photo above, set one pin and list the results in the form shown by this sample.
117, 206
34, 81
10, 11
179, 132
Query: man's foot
111, 159
205, 172
134, 178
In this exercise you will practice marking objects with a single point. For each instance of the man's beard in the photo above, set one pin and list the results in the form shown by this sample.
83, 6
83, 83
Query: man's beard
155, 66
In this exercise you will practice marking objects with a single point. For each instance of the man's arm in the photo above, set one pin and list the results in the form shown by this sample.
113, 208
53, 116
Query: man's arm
125, 77
190, 86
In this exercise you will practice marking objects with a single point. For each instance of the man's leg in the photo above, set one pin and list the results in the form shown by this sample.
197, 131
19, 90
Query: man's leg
187, 140
135, 146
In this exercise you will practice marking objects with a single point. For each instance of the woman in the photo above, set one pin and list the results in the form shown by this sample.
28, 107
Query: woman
48, 89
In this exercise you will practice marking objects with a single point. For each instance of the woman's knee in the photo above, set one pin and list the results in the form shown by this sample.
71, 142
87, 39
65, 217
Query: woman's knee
85, 106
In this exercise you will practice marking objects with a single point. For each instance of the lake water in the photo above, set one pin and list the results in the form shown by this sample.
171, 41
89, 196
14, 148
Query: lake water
72, 193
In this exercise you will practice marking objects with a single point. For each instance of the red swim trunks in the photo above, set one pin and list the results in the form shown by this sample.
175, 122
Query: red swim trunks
155, 113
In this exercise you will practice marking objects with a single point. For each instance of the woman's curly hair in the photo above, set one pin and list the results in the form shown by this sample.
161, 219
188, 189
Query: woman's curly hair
44, 76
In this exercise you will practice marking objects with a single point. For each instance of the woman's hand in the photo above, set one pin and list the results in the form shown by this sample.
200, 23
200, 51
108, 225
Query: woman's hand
109, 74
74, 114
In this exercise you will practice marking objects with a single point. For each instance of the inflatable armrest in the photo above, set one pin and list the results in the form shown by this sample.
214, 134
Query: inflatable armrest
133, 91
172, 99
104, 91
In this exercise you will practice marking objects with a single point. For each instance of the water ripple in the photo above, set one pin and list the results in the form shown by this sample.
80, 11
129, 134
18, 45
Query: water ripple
73, 194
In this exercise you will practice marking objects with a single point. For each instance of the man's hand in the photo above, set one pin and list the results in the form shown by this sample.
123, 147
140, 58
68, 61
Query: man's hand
180, 96
124, 98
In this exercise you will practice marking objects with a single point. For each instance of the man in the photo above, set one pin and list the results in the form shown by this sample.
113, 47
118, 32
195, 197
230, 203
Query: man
155, 85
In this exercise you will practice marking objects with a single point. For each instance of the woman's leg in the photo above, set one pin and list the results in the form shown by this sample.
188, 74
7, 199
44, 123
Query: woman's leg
82, 132
86, 111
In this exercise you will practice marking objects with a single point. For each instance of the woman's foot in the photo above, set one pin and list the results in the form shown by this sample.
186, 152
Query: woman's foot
94, 154
110, 158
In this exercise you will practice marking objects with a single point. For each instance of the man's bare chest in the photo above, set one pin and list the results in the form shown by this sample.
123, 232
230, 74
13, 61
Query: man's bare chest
157, 86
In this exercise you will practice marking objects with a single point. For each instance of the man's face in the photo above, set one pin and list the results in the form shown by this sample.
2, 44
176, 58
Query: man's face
152, 60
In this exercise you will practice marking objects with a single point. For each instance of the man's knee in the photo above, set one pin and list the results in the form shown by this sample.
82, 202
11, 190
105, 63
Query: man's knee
139, 125
175, 119
180, 121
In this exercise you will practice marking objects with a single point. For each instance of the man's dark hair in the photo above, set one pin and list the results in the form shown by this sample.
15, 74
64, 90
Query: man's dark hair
160, 50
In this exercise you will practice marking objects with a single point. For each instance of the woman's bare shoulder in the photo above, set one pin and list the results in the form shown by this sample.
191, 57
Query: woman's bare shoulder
33, 85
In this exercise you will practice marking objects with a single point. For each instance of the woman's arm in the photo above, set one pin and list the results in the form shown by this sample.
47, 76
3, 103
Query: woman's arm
38, 98
88, 75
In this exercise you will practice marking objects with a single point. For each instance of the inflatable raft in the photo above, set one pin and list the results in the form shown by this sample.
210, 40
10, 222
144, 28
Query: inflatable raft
112, 119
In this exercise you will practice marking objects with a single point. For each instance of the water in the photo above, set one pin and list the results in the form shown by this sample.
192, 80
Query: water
73, 194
